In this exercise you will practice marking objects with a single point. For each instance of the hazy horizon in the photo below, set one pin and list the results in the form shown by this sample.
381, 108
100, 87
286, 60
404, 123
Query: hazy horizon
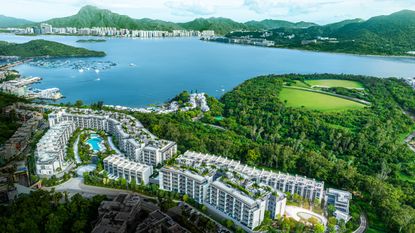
318, 11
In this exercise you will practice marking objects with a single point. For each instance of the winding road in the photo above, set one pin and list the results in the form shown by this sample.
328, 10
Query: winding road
363, 224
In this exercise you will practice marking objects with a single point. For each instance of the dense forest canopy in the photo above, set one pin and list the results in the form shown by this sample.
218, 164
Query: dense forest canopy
358, 150
43, 211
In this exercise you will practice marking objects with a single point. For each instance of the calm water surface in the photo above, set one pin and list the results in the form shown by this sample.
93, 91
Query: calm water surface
165, 67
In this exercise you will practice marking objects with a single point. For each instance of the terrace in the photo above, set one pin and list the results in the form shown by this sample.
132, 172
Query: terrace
248, 187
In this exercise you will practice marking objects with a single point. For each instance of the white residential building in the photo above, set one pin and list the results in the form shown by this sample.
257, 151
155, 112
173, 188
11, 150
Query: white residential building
246, 210
184, 181
119, 167
303, 186
51, 149
340, 200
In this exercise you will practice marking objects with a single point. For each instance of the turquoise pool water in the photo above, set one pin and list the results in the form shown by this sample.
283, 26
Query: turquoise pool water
95, 142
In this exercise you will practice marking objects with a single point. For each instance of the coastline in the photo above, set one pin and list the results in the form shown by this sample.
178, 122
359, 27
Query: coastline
319, 51
275, 47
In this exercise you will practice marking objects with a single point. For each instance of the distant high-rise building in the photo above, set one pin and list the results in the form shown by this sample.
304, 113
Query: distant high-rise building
45, 28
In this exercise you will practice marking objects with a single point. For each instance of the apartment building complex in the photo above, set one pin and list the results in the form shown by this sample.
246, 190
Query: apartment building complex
303, 186
132, 138
229, 194
119, 167
51, 149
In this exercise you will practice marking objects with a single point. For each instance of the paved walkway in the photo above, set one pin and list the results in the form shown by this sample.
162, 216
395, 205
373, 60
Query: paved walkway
113, 147
76, 151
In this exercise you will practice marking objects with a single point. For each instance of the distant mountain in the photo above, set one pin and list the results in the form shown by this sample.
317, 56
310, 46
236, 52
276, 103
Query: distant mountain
41, 48
90, 16
272, 24
343, 23
219, 25
6, 21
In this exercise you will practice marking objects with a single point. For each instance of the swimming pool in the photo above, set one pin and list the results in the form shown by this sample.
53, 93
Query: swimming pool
95, 142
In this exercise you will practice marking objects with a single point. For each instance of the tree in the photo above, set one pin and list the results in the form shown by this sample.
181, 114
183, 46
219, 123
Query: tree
331, 209
318, 228
185, 198
123, 182
229, 223
79, 103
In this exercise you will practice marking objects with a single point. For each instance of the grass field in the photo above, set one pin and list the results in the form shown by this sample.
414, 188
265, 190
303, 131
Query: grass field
335, 83
316, 101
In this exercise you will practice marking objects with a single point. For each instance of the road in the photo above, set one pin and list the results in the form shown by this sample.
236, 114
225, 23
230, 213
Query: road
363, 224
76, 185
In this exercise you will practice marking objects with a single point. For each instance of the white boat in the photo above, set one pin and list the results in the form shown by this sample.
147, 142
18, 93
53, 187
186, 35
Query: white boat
81, 70
97, 71
132, 64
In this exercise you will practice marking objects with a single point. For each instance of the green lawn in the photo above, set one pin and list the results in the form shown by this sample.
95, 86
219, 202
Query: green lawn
316, 101
335, 83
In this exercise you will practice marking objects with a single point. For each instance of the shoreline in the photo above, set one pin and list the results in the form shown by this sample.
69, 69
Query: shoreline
319, 51
274, 47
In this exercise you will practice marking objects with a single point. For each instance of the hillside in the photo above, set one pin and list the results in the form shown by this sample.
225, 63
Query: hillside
219, 25
268, 24
6, 21
40, 48
357, 150
337, 25
382, 35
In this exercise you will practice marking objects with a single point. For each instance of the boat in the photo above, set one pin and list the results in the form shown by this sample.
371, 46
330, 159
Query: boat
81, 70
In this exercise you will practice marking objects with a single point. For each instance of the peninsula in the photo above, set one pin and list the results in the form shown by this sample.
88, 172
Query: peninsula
44, 48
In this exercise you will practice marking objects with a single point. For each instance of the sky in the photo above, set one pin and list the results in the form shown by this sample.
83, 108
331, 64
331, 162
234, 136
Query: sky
318, 11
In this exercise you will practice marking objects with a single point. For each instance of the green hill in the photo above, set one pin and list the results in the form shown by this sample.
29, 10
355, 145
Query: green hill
392, 34
90, 16
6, 21
385, 35
268, 24
219, 25
40, 48
337, 25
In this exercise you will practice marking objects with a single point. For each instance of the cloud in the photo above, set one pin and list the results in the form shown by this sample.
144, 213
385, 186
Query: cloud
286, 7
191, 7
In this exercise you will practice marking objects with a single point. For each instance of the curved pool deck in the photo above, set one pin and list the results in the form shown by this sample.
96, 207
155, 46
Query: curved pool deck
298, 213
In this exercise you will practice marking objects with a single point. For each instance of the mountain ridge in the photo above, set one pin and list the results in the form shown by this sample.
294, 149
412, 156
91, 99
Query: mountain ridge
7, 21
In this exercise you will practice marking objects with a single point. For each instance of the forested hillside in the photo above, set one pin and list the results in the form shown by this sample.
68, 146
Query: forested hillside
41, 48
358, 150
